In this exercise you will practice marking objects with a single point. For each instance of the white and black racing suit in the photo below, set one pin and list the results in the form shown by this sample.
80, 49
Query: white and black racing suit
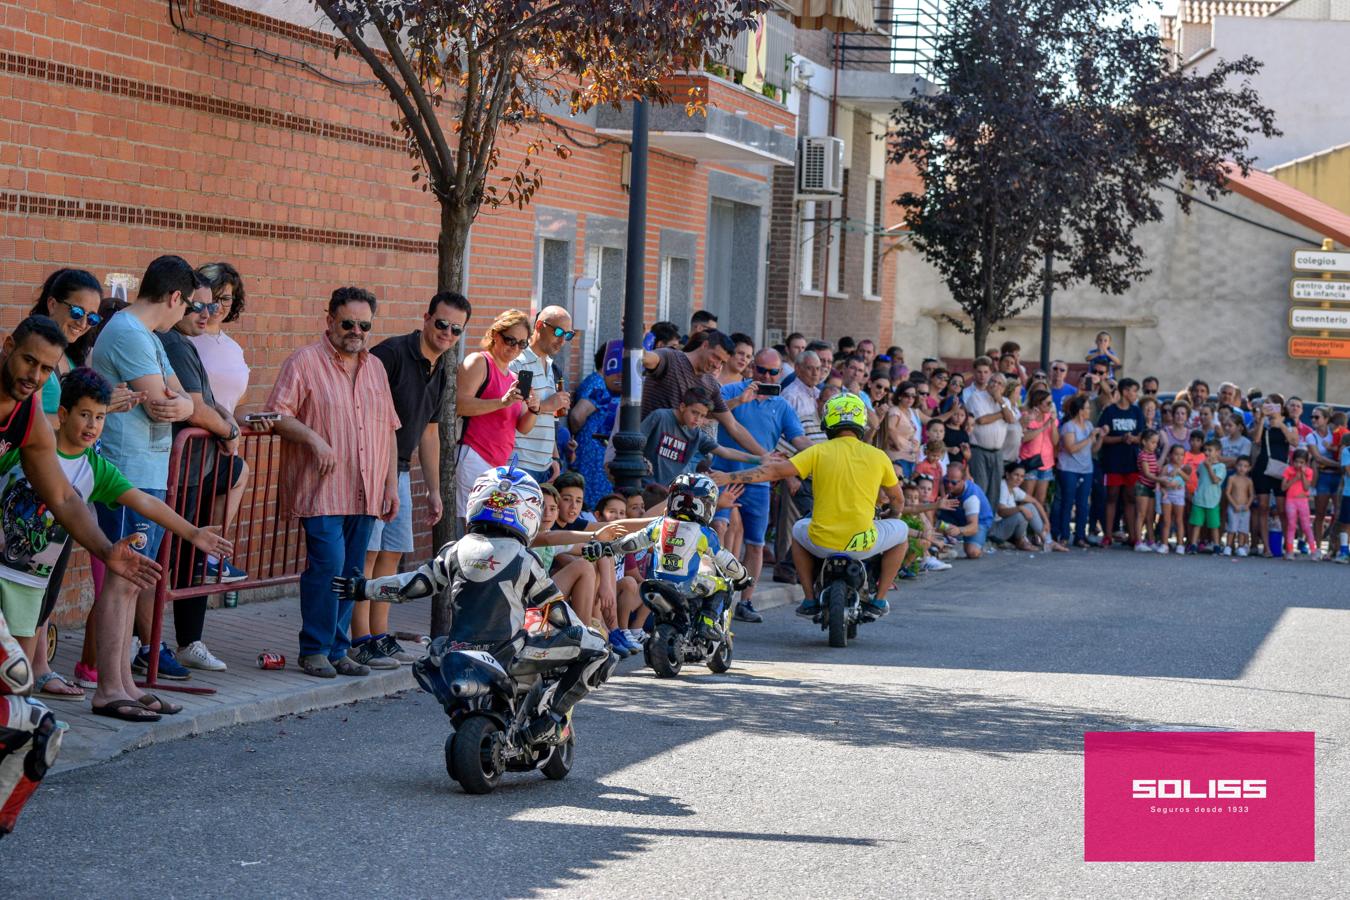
492, 580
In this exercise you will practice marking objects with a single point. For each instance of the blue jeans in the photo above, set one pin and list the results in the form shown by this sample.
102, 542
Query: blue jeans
1075, 490
335, 545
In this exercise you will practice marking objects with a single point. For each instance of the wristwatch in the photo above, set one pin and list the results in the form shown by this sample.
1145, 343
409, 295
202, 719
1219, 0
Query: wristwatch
234, 432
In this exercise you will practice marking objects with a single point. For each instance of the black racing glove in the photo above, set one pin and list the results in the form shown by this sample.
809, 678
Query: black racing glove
592, 551
353, 588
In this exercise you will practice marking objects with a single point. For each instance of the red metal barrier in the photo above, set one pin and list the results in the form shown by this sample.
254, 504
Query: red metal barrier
267, 540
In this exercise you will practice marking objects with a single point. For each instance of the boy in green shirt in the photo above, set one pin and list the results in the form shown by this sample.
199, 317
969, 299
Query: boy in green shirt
31, 540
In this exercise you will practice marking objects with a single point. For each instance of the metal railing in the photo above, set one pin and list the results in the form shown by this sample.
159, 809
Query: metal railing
905, 41
268, 542
777, 53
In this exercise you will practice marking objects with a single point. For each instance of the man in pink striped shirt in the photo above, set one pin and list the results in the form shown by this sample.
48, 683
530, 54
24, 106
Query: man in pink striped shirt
339, 468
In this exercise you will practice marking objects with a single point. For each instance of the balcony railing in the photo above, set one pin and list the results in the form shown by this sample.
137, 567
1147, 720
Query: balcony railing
777, 57
905, 40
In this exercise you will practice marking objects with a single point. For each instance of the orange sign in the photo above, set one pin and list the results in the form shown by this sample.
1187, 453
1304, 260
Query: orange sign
1319, 348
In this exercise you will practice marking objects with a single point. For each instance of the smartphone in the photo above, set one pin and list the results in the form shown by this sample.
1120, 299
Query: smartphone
262, 417
524, 382
768, 390
1270, 409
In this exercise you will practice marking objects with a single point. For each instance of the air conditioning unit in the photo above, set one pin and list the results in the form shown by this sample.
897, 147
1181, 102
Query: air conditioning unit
820, 167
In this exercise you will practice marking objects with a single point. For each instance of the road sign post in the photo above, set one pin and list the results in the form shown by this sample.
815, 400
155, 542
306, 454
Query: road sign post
1323, 320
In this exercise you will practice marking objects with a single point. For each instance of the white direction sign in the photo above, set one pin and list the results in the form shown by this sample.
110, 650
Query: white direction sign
1319, 319
1316, 289
1321, 261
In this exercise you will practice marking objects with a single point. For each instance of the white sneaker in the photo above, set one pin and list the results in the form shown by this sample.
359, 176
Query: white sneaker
196, 656
1162, 548
1142, 547
635, 635
1317, 556
933, 564
1227, 551
1242, 552
135, 647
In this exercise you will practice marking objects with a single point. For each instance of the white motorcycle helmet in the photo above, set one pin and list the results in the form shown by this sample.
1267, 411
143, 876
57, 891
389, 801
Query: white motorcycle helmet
508, 498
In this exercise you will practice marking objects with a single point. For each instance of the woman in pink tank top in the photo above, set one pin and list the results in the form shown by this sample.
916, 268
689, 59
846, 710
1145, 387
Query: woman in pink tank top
490, 404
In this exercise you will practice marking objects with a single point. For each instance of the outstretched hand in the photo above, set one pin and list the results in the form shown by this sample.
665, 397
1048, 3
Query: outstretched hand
611, 532
210, 540
727, 499
123, 560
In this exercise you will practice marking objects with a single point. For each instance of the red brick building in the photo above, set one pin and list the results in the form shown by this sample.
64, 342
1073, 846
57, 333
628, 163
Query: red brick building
231, 131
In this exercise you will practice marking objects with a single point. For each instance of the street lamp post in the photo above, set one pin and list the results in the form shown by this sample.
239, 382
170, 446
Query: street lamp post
628, 467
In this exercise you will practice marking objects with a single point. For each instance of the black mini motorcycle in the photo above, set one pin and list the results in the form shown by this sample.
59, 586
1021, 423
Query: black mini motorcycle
842, 583
687, 626
491, 704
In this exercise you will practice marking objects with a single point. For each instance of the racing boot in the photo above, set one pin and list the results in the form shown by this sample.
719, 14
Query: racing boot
546, 728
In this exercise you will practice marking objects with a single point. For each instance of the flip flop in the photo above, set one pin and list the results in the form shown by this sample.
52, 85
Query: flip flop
165, 707
127, 711
40, 685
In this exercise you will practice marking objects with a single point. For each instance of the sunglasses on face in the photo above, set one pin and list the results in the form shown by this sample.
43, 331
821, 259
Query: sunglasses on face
1059, 369
443, 325
561, 332
517, 343
352, 324
766, 371
198, 308
78, 312
924, 393
949, 483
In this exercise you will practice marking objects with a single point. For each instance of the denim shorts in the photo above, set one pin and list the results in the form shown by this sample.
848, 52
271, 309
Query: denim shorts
1327, 483
754, 507
1041, 475
396, 535
119, 521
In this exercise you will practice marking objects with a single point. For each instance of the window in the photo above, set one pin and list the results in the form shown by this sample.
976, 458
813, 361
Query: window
555, 273
838, 241
806, 251
872, 242
677, 290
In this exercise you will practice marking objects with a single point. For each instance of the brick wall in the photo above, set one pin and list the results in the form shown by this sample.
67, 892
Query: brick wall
122, 138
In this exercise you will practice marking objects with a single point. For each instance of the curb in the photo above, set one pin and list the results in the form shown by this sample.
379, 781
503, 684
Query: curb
193, 722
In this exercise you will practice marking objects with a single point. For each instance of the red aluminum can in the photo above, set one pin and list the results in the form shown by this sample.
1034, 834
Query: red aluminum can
270, 660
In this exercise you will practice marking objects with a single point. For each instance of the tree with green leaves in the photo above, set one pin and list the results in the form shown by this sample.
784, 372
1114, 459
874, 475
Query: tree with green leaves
1056, 126
468, 75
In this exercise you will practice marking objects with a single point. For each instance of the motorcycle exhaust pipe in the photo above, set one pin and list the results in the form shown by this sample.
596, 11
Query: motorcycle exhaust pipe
464, 688
658, 604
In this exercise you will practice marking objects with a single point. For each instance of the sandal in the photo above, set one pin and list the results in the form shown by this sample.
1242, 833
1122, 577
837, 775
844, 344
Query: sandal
40, 688
127, 711
165, 707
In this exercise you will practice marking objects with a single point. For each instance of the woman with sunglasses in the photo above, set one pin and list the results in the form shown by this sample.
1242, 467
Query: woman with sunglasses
490, 402
221, 355
1322, 452
902, 428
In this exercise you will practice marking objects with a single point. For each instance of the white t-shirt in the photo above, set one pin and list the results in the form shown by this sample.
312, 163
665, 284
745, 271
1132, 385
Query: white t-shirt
992, 435
1008, 497
223, 360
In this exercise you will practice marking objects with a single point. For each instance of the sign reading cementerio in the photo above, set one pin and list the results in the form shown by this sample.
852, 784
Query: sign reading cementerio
1302, 319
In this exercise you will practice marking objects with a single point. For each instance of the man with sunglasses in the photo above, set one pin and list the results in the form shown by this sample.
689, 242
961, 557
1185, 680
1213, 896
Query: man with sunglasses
1060, 390
417, 369
537, 449
339, 464
768, 419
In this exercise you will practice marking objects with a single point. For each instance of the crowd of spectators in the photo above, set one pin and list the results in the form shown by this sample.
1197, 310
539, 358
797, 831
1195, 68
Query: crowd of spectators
997, 458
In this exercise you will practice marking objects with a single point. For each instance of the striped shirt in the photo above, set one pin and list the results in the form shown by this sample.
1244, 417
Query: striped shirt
355, 418
535, 447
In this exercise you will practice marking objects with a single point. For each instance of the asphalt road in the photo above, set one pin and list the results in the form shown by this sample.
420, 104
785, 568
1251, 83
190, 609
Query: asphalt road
938, 756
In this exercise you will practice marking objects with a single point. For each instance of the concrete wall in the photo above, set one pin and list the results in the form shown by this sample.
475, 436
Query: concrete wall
1214, 307
1306, 70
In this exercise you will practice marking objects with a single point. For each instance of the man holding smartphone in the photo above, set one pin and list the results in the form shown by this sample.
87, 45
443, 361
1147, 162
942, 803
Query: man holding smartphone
537, 449
767, 418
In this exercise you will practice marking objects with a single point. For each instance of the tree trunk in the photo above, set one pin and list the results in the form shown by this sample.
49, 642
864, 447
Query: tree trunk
450, 246
980, 327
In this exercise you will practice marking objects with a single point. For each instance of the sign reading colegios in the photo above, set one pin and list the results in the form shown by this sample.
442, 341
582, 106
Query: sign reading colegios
1321, 261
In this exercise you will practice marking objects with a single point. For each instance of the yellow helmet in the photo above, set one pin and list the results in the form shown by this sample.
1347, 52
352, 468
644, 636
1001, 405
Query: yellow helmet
844, 411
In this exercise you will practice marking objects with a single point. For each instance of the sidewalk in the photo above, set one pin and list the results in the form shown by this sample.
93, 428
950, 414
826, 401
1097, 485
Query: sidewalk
246, 693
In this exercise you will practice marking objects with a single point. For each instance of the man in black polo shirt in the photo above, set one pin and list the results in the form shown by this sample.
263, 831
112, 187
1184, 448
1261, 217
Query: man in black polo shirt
416, 367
